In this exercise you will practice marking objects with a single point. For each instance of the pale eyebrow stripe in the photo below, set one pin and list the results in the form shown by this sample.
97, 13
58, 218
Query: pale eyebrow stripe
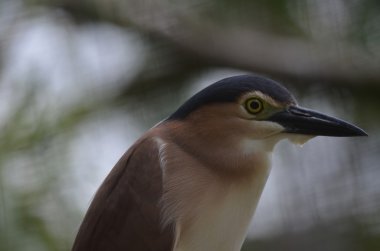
263, 97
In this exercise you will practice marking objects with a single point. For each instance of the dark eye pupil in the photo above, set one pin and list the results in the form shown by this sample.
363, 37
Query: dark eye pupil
254, 105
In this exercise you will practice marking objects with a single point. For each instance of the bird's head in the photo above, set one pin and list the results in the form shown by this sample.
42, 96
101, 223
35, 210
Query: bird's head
249, 108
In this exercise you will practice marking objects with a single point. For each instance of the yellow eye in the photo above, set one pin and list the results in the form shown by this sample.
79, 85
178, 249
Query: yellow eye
254, 105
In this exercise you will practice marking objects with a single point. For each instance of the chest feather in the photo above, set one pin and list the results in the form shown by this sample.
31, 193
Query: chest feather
210, 212
220, 221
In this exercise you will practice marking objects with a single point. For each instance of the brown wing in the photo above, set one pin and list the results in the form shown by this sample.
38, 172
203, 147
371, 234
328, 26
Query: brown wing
125, 213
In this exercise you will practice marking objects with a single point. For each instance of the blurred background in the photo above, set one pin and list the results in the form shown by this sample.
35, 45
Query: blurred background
80, 81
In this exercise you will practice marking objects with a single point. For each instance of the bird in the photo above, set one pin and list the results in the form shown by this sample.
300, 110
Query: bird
193, 181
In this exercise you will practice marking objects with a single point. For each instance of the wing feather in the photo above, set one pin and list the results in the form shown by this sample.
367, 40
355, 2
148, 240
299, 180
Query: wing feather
125, 212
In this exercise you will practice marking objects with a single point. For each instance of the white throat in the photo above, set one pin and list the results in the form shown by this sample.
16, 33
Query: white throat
223, 216
210, 212
221, 212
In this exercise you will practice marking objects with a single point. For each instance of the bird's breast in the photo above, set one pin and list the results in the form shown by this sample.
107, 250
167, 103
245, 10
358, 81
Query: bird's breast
210, 211
220, 221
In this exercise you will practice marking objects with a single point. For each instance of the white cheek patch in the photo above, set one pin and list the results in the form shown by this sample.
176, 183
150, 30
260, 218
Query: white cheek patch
299, 139
264, 129
262, 137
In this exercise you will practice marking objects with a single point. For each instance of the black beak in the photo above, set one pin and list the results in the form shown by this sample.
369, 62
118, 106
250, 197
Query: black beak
303, 121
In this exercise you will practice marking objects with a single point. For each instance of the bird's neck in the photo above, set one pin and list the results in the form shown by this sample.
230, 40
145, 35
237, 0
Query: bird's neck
211, 195
224, 152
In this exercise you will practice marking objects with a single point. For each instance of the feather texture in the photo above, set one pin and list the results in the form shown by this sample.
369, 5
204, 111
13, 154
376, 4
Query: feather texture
125, 213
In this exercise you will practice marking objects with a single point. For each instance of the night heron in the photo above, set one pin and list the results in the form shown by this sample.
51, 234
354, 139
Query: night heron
193, 181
